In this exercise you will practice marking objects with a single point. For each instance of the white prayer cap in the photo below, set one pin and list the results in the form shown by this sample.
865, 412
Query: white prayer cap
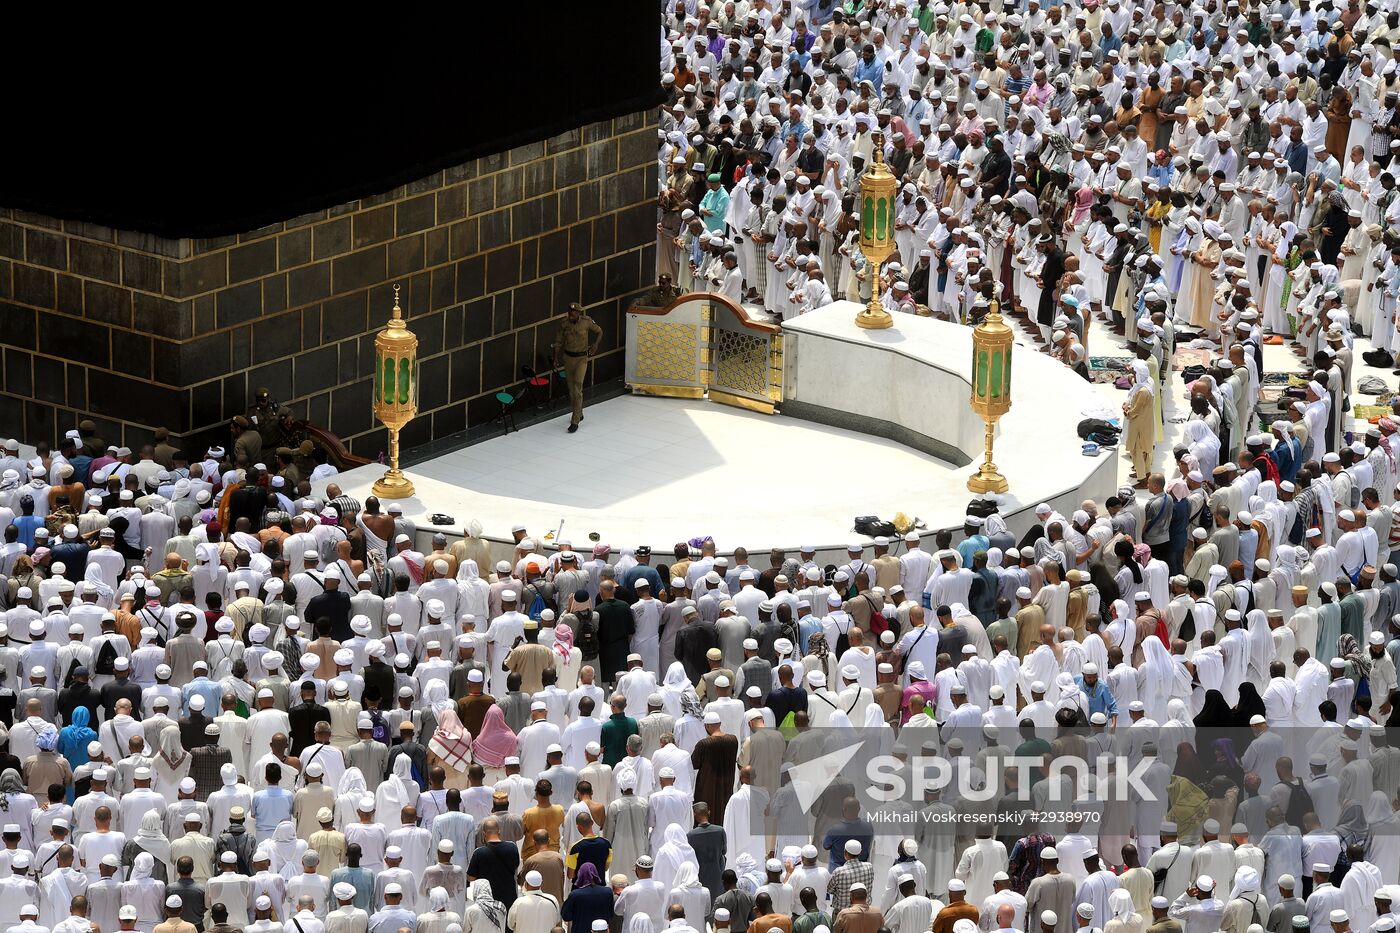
1338, 916
1024, 592
1161, 903
954, 885
1090, 668
265, 903
1206, 882
1048, 917
712, 718
1085, 910
1142, 596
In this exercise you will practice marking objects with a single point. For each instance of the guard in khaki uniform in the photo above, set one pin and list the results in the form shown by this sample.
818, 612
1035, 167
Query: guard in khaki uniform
578, 339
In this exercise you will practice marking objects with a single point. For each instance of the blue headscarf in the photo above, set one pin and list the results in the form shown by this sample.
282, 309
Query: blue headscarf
73, 740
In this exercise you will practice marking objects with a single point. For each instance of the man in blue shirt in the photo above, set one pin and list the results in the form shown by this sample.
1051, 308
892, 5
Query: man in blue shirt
975, 540
271, 805
869, 68
394, 915
1096, 692
714, 205
851, 826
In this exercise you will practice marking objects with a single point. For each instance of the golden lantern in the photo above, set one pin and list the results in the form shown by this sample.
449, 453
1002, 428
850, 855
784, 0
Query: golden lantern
395, 394
991, 390
877, 206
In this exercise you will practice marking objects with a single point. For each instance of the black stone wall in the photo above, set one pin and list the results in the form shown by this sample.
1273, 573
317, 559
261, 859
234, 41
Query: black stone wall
137, 331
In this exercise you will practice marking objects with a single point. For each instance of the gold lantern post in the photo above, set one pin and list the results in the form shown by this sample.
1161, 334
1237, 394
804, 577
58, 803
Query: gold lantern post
395, 394
877, 196
991, 390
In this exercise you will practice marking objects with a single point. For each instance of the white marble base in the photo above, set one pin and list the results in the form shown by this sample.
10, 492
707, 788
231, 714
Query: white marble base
657, 471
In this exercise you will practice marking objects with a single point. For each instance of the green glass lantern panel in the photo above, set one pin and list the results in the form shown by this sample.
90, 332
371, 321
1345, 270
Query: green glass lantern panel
979, 375
386, 391
867, 215
994, 387
1006, 375
882, 218
405, 380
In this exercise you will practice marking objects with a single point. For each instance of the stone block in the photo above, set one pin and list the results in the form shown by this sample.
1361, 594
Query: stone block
471, 278
205, 356
294, 248
166, 362
330, 238
533, 303
503, 268
437, 247
372, 226
274, 288
276, 337
161, 316
19, 373
308, 284
46, 248
238, 305
131, 353
107, 303
498, 363
602, 158
315, 370
466, 372
140, 271
252, 260
452, 203
405, 255
432, 391
119, 396
344, 316
199, 275
74, 339
49, 383
94, 260
553, 252
449, 421
359, 269
415, 214
20, 326
68, 294
76, 379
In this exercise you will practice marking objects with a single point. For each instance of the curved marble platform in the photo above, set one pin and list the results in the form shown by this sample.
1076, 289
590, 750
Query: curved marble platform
872, 422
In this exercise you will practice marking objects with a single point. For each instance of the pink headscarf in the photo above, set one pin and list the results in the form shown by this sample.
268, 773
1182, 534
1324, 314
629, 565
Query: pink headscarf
451, 741
563, 641
495, 742
1083, 200
1142, 554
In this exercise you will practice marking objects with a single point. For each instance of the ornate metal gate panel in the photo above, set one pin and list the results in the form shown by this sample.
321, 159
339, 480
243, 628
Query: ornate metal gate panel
702, 341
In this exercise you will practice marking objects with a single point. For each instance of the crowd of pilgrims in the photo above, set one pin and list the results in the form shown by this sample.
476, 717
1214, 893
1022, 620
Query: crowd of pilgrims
1156, 167
226, 708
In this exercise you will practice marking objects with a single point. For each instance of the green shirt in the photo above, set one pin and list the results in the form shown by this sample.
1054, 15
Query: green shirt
617, 728
810, 921
1004, 627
